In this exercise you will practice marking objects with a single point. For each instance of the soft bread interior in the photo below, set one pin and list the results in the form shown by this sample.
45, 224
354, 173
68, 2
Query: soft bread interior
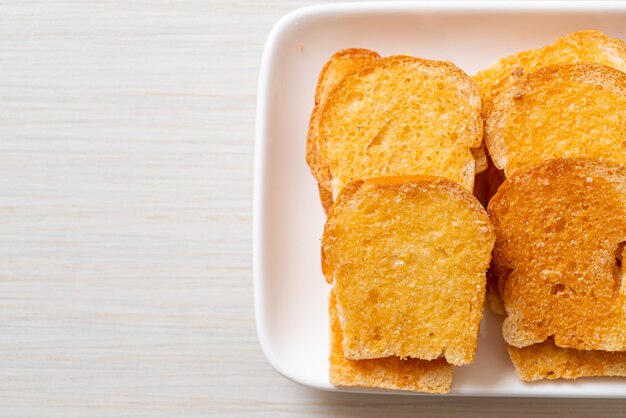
408, 258
560, 229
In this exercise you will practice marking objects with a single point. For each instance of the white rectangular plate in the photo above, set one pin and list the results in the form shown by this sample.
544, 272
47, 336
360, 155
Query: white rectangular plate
290, 291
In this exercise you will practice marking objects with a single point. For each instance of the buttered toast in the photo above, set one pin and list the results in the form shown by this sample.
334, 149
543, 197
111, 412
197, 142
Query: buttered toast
407, 257
565, 110
561, 229
400, 116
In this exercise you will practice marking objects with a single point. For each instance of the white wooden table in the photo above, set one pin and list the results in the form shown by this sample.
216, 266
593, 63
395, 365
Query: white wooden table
126, 148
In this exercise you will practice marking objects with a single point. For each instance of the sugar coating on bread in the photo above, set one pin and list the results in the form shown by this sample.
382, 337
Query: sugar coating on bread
560, 230
340, 65
407, 256
565, 110
434, 376
401, 116
587, 46
547, 361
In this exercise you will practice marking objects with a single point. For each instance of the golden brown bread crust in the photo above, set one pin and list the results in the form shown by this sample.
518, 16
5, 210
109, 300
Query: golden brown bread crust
559, 233
582, 46
388, 373
390, 242
547, 361
564, 110
341, 65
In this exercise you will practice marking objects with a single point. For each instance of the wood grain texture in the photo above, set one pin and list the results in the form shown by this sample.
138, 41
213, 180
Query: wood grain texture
126, 147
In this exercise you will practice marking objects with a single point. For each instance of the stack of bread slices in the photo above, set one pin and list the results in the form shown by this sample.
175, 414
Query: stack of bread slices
392, 143
555, 127
396, 146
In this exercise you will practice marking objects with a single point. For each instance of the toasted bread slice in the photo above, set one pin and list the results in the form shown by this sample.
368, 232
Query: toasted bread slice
400, 116
407, 256
416, 375
547, 361
560, 229
341, 65
587, 46
566, 110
